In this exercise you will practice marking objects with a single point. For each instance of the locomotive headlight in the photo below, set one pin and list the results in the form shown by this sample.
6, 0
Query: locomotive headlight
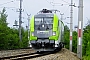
54, 33
32, 33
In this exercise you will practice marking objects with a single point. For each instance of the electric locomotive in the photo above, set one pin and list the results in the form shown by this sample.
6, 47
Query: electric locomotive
46, 31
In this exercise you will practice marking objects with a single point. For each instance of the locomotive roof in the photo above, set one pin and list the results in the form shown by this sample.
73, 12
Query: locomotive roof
44, 15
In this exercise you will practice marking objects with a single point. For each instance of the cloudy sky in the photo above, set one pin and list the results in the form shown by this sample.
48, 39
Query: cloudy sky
33, 6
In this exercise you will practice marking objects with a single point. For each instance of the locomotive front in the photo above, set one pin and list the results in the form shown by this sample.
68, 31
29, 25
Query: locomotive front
44, 32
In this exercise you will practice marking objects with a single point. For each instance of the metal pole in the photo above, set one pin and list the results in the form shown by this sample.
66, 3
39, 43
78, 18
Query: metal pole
80, 29
28, 29
71, 25
20, 21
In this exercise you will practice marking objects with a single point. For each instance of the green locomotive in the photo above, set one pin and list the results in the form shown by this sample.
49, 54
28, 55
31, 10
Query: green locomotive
46, 31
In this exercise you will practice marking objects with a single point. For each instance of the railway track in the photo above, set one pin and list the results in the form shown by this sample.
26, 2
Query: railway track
5, 53
27, 56
64, 54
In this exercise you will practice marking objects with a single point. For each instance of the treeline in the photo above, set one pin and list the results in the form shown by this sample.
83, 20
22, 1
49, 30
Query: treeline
9, 37
67, 39
85, 43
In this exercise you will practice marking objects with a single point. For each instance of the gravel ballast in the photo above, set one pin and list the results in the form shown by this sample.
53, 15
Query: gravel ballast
64, 54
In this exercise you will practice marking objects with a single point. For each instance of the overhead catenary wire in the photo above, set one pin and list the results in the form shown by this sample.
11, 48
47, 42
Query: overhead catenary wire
52, 3
26, 13
11, 8
48, 1
65, 1
7, 2
25, 9
66, 10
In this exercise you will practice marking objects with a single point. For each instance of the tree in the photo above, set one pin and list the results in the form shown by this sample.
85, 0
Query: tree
74, 42
3, 18
9, 37
66, 36
86, 43
3, 30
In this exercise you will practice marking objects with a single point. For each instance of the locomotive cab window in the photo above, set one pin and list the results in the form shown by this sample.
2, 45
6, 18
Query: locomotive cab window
38, 21
48, 20
44, 23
